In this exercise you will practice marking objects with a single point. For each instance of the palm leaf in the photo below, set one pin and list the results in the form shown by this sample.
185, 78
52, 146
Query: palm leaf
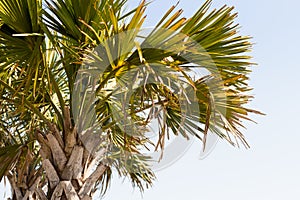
8, 158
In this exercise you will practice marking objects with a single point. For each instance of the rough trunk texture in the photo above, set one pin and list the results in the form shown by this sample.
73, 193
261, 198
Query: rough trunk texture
69, 170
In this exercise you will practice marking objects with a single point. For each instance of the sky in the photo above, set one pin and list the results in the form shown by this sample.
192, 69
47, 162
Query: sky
270, 169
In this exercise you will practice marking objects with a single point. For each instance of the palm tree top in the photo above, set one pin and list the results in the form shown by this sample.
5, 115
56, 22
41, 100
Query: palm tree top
76, 72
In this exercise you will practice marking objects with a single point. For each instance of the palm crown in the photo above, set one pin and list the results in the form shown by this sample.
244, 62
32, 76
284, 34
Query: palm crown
55, 98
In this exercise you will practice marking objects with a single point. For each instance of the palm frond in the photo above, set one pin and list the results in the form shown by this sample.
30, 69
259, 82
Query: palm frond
9, 157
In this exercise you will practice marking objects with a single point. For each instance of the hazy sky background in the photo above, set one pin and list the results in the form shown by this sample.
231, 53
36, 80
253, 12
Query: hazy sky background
270, 170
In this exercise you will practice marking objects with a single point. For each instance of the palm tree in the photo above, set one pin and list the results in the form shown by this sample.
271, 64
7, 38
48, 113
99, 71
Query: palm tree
62, 120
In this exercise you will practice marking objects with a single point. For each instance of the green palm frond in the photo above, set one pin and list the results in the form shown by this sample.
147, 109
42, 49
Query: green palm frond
217, 35
9, 157
20, 27
21, 16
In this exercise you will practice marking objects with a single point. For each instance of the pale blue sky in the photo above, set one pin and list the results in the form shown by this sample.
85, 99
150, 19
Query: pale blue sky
270, 170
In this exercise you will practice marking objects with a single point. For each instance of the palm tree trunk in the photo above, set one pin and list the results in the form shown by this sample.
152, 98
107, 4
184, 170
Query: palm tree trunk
69, 169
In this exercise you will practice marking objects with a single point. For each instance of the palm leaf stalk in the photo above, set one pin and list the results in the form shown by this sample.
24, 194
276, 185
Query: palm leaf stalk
52, 146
